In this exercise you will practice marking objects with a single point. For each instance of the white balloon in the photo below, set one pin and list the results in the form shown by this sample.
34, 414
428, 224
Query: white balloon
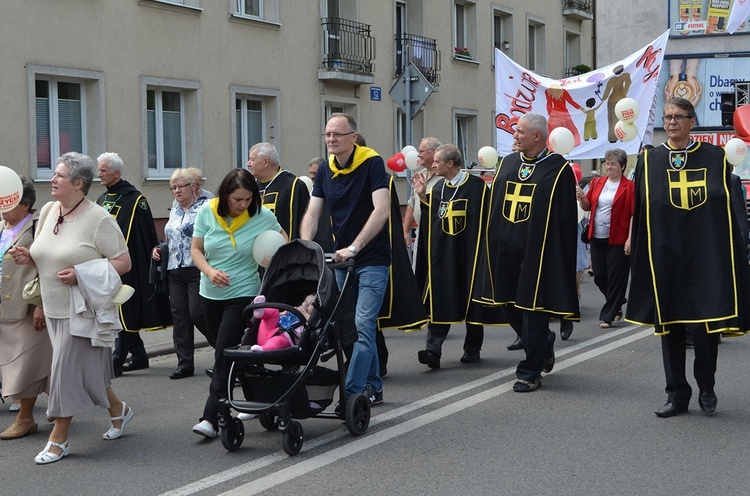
488, 157
308, 182
626, 109
625, 131
265, 246
412, 159
407, 149
736, 151
11, 189
561, 140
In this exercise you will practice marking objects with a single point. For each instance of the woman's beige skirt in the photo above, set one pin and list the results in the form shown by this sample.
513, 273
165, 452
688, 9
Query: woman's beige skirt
81, 373
25, 359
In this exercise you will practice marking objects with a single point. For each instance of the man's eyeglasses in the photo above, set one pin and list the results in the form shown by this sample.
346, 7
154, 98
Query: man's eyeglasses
178, 186
677, 118
337, 135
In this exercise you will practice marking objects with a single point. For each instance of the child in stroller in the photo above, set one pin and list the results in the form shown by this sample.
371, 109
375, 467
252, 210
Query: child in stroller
279, 330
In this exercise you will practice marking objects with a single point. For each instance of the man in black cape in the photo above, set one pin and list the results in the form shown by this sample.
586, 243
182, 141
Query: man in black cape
688, 262
147, 309
453, 212
282, 192
530, 247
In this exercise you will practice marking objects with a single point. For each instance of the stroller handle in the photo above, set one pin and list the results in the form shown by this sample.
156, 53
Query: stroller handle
345, 265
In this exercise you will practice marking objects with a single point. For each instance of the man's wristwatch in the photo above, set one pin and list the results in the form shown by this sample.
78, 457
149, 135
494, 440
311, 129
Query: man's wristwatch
352, 249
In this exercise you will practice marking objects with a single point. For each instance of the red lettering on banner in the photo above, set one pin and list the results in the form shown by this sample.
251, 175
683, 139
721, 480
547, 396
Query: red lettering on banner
647, 61
521, 104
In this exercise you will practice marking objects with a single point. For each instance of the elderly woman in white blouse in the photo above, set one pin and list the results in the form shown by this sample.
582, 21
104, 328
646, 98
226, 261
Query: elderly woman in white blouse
71, 231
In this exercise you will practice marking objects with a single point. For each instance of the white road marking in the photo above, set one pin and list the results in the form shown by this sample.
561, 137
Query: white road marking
360, 444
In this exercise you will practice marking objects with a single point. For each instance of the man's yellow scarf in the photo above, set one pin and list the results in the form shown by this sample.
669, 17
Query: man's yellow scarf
361, 153
237, 222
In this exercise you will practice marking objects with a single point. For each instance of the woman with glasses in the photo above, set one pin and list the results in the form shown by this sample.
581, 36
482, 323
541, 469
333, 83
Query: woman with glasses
610, 201
71, 232
182, 275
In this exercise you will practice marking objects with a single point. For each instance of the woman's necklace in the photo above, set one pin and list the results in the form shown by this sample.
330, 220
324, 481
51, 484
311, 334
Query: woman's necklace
61, 216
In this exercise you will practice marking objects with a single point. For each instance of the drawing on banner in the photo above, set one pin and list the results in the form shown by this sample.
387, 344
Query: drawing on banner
577, 103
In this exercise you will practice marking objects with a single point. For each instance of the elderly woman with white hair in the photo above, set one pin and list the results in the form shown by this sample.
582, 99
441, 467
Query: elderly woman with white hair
182, 275
71, 231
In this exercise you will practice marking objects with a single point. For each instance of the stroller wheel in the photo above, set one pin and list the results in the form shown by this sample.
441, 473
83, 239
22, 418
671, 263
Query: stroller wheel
357, 414
268, 421
291, 440
233, 434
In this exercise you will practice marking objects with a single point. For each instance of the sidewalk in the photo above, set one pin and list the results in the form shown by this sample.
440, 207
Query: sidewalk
160, 342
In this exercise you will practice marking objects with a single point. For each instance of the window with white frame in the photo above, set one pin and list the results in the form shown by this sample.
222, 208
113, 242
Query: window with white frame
165, 129
250, 8
465, 134
464, 29
537, 58
185, 6
172, 126
248, 126
502, 27
67, 112
258, 10
572, 52
254, 119
333, 108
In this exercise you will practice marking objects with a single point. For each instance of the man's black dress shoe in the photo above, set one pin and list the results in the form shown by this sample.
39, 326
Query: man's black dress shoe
707, 401
181, 373
516, 345
118, 371
566, 329
429, 358
209, 371
130, 365
470, 357
549, 363
670, 409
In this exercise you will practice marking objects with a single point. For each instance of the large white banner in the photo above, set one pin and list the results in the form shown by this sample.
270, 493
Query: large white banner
738, 15
584, 104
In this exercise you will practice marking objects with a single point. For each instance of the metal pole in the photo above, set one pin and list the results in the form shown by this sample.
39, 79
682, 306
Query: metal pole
407, 75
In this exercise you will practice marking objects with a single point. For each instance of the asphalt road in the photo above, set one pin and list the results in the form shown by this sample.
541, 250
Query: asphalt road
459, 430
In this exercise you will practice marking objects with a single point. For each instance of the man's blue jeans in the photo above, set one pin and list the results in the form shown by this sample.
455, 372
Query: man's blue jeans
369, 286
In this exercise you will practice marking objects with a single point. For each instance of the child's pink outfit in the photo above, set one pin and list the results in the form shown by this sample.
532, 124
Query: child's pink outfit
270, 336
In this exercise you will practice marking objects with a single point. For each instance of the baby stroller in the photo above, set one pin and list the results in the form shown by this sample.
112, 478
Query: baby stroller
283, 385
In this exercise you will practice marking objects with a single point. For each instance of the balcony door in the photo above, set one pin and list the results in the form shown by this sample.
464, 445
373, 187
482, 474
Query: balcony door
400, 32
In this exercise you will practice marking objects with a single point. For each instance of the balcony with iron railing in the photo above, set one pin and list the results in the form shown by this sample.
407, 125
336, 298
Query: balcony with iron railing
348, 51
581, 10
422, 52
